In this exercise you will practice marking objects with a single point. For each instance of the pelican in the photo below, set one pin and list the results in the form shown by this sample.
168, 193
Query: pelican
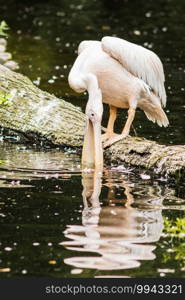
122, 75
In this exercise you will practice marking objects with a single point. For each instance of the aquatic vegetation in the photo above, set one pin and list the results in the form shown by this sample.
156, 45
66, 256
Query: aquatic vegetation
174, 249
176, 228
174, 254
3, 28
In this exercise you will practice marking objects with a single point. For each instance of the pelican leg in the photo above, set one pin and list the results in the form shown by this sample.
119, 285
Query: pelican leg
110, 127
125, 131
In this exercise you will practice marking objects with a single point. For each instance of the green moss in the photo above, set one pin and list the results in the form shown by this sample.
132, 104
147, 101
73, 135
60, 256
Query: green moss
5, 99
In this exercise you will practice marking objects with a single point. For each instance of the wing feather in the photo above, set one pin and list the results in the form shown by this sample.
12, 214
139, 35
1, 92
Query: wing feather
139, 61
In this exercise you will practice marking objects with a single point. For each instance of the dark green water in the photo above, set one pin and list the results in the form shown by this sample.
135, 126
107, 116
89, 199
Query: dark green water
47, 228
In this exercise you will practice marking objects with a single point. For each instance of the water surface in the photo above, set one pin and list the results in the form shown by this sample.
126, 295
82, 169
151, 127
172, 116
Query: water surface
55, 222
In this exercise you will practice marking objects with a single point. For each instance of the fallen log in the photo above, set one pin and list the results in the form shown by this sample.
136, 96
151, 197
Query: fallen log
168, 161
38, 115
42, 117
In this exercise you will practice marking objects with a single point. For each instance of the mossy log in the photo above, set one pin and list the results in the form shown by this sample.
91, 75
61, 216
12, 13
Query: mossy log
40, 116
165, 160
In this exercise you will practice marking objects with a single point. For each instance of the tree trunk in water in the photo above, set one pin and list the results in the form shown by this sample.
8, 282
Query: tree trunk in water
39, 116
139, 152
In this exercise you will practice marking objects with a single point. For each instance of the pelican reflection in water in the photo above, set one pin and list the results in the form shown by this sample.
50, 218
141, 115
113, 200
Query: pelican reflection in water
123, 75
121, 235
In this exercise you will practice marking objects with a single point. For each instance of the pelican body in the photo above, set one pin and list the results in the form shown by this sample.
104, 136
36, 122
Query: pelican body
123, 75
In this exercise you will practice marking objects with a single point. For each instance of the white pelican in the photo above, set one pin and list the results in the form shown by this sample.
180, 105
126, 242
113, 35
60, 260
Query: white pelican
123, 75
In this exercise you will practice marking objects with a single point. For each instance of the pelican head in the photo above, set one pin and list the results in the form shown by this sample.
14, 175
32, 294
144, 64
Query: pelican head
92, 154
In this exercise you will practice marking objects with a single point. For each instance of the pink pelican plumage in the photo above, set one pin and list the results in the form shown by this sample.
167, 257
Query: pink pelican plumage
123, 75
